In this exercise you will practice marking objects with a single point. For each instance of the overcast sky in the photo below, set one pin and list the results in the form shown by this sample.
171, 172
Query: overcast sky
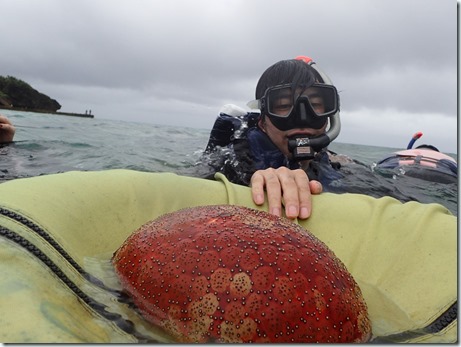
177, 62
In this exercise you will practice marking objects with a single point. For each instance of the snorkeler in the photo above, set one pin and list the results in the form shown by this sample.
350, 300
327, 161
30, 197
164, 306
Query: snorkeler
7, 130
282, 146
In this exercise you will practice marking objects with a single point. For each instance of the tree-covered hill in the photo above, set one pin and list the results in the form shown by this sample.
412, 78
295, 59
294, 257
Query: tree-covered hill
18, 94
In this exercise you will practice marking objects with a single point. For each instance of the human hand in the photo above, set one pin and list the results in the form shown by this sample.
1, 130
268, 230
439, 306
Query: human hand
7, 130
293, 186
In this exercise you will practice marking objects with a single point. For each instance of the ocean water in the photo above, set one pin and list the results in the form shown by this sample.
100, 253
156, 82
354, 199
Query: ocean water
46, 143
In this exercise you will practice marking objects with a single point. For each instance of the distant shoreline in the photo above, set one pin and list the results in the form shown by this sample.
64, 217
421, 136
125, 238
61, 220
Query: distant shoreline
72, 114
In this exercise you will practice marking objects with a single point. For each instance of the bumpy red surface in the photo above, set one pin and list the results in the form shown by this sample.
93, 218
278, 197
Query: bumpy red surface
233, 274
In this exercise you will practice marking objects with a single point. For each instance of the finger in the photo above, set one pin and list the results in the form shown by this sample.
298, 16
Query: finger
257, 188
315, 187
274, 192
4, 120
296, 193
7, 128
304, 195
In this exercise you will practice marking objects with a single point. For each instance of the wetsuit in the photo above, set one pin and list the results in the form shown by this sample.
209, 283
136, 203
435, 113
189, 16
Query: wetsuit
238, 147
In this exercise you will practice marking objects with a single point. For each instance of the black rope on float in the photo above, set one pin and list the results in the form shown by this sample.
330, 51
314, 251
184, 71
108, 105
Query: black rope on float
125, 325
444, 320
31, 225
43, 234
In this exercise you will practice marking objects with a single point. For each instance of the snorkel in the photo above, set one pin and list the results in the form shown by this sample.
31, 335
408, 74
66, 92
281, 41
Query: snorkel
305, 148
415, 137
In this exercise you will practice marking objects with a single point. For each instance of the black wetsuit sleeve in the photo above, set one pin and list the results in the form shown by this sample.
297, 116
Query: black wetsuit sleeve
234, 161
222, 132
241, 167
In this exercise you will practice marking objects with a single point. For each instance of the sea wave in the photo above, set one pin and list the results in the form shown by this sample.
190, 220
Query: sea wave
46, 144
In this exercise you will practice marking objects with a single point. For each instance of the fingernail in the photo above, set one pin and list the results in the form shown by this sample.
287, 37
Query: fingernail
319, 187
292, 211
275, 211
304, 212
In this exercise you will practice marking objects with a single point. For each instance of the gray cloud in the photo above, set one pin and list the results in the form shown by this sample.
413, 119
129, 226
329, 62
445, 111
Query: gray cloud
177, 62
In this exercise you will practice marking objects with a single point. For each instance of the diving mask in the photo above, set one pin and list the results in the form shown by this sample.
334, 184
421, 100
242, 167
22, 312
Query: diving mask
301, 108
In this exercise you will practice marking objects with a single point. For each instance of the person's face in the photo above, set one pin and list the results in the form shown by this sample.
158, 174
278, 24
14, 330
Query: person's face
280, 137
282, 106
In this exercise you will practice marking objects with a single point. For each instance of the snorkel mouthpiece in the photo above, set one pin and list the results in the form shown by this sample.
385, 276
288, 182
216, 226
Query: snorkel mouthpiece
305, 148
301, 148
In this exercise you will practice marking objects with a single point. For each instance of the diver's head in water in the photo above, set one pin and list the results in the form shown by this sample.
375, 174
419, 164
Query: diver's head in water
433, 148
296, 104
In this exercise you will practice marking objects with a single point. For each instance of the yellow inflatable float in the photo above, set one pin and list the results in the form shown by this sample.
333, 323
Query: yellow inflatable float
59, 232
